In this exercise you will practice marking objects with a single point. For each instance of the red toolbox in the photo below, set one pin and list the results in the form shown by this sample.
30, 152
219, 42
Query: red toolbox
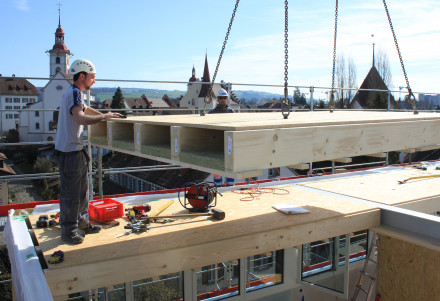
105, 210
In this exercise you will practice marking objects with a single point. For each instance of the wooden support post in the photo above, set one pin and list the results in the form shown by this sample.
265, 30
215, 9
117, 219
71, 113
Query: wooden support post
175, 143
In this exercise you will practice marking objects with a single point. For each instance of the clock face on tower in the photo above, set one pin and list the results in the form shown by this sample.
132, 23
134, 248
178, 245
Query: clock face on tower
57, 52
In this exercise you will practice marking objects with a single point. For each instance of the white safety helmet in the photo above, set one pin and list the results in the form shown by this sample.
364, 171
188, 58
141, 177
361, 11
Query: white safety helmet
82, 65
222, 93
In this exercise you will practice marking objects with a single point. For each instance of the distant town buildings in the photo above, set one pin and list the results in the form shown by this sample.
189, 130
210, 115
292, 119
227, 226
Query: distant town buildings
198, 91
15, 94
430, 100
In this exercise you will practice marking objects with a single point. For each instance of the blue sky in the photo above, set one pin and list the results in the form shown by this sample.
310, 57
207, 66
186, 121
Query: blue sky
162, 40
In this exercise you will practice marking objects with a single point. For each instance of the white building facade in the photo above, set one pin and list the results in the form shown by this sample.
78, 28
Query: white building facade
15, 95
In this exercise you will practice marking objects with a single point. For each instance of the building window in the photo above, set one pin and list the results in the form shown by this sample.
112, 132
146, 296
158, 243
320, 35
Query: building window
8, 100
220, 278
17, 107
59, 87
37, 126
31, 100
264, 270
24, 100
17, 100
37, 113
8, 116
8, 107
170, 287
16, 116
57, 60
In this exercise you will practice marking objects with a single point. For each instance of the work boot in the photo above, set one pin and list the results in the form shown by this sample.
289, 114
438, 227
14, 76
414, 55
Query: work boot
81, 232
74, 238
91, 229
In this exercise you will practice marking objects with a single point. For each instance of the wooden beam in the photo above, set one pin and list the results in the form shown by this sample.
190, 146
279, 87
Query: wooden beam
343, 160
301, 166
378, 155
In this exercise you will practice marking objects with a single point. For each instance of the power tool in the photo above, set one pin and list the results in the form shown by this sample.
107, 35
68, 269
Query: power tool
138, 211
198, 197
43, 220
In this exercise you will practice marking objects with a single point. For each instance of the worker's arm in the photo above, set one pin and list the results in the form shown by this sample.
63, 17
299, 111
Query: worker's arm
87, 119
91, 111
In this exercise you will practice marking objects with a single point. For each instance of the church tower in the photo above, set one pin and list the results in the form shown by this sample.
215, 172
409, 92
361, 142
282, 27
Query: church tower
59, 54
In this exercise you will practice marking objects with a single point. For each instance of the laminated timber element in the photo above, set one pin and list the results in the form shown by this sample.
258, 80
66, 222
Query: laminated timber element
120, 135
244, 143
153, 140
407, 271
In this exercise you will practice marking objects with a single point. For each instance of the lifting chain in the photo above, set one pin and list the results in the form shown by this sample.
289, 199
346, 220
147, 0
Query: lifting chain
332, 94
411, 97
219, 60
287, 104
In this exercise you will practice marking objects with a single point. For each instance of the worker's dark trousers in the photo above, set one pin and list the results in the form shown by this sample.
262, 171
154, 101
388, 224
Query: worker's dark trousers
74, 203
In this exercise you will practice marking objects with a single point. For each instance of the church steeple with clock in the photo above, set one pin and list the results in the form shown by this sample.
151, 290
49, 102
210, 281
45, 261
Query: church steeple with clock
59, 54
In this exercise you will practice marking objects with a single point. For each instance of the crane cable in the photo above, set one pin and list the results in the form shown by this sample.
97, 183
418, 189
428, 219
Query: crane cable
411, 97
218, 62
287, 104
332, 94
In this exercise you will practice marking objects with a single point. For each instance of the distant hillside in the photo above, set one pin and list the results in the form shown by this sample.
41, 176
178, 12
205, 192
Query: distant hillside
101, 94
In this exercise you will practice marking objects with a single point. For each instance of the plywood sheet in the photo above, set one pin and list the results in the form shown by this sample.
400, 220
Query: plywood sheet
383, 186
407, 271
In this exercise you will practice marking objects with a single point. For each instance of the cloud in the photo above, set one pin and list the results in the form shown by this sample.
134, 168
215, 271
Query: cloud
22, 5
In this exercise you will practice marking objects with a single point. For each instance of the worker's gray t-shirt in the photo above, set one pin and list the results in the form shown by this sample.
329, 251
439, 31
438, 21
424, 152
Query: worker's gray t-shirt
69, 133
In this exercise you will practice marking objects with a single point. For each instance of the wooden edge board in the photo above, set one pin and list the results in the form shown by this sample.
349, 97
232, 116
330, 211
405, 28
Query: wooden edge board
103, 273
406, 236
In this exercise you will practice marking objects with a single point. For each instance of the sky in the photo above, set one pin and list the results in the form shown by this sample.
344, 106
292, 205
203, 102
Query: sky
163, 40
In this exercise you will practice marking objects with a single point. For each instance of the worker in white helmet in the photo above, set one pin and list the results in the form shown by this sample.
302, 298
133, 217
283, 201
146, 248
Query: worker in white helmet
222, 106
72, 159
